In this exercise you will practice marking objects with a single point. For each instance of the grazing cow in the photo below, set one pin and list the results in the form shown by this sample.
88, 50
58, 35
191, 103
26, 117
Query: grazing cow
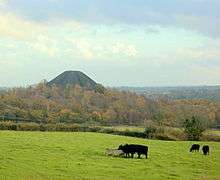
205, 150
134, 148
195, 147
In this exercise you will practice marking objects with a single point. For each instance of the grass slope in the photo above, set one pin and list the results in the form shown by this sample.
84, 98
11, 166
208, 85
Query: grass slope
58, 155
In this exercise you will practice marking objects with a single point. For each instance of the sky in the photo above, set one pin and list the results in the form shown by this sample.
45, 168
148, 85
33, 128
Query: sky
115, 42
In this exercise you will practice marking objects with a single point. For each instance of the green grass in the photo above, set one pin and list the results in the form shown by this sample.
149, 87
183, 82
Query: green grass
214, 132
60, 155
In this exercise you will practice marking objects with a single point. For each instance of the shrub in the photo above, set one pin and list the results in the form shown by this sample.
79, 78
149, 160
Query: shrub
28, 127
175, 133
132, 133
166, 137
210, 137
8, 125
194, 128
150, 131
107, 130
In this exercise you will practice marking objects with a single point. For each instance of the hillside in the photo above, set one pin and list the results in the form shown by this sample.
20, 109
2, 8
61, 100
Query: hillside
3, 90
54, 104
73, 78
58, 155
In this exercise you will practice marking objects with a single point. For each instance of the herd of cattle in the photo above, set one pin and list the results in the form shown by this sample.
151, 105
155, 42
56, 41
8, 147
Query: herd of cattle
127, 150
131, 149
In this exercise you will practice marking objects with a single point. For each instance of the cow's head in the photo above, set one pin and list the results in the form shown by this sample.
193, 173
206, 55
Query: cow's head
120, 147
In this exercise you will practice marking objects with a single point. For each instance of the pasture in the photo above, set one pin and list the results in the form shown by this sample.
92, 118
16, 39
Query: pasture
61, 155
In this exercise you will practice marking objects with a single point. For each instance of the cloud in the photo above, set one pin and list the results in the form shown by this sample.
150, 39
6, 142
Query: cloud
201, 23
14, 27
127, 49
44, 45
55, 1
84, 47
202, 16
159, 49
3, 3
91, 49
64, 37
208, 51
71, 39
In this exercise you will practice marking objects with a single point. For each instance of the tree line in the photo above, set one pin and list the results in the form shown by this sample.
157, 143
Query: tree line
103, 106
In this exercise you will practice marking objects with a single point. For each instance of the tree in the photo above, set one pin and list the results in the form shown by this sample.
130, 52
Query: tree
194, 128
217, 118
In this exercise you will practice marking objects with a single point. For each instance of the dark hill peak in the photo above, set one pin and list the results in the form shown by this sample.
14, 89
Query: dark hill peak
73, 78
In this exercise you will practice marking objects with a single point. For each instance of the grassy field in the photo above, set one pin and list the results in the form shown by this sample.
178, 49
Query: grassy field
59, 155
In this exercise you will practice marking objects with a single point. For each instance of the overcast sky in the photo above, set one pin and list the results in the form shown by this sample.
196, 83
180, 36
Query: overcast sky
115, 42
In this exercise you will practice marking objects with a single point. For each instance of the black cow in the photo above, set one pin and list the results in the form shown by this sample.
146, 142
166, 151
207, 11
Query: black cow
195, 147
205, 150
134, 148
